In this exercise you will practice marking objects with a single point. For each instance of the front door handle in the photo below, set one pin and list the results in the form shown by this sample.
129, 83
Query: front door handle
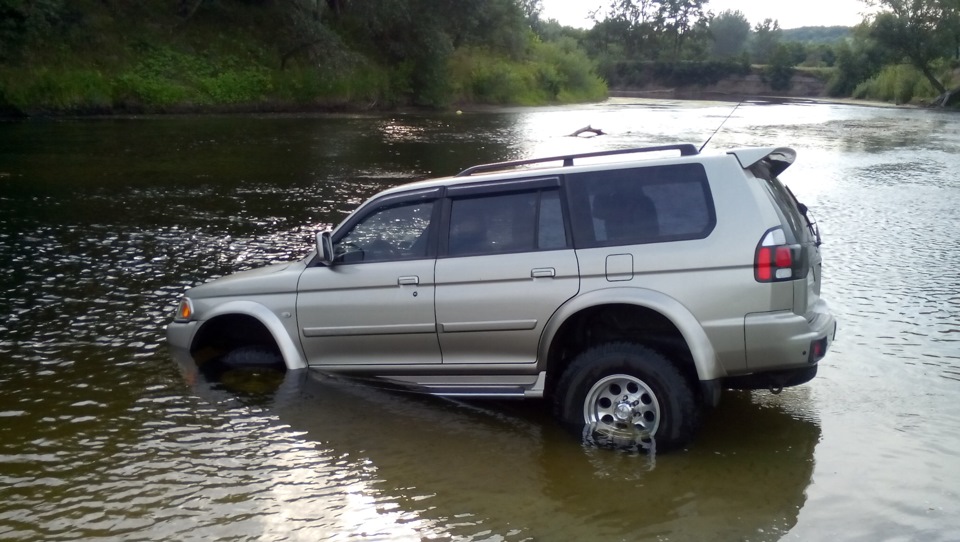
412, 279
543, 272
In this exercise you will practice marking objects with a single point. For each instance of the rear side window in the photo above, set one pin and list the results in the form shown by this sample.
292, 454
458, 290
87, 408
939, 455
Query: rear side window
641, 205
502, 223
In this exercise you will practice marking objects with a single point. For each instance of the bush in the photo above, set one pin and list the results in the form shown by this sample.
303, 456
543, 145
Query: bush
565, 72
780, 71
554, 72
899, 84
237, 86
60, 90
682, 73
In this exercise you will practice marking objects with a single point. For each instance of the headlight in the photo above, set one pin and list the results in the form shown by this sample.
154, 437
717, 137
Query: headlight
184, 310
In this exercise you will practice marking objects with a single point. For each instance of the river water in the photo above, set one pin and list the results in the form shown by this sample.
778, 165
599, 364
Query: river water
104, 223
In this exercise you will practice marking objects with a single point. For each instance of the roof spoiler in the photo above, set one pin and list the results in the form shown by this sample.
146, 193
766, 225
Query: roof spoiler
779, 158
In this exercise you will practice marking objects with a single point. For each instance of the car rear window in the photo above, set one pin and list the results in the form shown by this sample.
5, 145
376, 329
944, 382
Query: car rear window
640, 205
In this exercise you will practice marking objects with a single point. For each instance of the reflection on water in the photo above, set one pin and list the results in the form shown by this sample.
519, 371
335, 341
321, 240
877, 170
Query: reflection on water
103, 223
441, 468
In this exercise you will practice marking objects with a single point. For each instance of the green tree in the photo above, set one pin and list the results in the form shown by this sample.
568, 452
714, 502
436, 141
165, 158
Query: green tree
919, 30
616, 37
24, 23
766, 37
857, 60
416, 38
680, 20
951, 25
729, 32
779, 72
651, 28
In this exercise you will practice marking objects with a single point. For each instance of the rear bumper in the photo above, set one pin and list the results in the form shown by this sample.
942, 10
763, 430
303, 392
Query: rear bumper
770, 379
778, 341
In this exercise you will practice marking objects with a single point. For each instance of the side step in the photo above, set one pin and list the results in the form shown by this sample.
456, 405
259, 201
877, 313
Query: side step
511, 387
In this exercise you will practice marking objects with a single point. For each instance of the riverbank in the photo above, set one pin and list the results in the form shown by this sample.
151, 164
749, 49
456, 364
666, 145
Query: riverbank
91, 58
687, 94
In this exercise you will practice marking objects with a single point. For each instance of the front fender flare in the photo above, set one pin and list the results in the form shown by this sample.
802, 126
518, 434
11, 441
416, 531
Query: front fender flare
290, 350
704, 356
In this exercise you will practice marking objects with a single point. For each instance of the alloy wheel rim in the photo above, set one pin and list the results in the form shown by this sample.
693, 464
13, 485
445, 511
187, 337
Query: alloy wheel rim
622, 402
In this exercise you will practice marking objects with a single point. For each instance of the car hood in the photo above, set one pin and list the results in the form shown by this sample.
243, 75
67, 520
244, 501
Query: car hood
271, 279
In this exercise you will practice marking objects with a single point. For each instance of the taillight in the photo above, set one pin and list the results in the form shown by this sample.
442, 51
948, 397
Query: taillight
775, 260
818, 349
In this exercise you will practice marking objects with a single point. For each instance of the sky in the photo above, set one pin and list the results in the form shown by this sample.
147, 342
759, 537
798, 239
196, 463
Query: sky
791, 14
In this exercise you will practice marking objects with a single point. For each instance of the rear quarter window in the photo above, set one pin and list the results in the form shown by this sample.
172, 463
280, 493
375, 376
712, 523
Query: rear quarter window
640, 205
786, 204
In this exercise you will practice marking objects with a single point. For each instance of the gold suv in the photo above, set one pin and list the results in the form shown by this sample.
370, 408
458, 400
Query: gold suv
627, 287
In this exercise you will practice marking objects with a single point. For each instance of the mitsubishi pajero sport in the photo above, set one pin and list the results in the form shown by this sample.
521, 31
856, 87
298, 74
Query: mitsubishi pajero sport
626, 287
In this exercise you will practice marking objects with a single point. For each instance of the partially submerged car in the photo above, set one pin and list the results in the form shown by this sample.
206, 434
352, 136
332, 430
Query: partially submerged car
627, 287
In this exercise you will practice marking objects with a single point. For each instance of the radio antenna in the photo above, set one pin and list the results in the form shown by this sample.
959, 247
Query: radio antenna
718, 127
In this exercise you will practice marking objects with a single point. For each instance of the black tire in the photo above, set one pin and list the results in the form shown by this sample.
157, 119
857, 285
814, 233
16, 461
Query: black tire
249, 370
252, 357
624, 393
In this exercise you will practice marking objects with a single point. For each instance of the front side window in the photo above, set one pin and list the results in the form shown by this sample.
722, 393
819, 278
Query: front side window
641, 205
398, 232
503, 223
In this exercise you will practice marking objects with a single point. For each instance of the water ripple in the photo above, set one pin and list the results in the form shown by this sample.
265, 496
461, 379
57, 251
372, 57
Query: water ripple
102, 438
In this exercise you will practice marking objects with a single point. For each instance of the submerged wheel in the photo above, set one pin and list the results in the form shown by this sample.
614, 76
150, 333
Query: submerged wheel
251, 357
622, 401
247, 369
626, 393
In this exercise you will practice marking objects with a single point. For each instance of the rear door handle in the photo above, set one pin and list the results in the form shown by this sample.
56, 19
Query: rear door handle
543, 272
412, 279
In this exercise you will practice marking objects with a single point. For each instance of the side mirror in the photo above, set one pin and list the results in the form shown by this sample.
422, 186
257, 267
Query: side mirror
325, 248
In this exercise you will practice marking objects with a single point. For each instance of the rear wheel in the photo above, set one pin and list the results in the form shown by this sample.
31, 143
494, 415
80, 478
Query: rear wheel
627, 394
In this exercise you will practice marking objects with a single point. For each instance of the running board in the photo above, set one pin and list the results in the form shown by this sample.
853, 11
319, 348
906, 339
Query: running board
503, 393
502, 387
492, 387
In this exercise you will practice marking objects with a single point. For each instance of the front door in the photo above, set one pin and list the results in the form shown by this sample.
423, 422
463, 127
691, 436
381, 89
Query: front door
375, 304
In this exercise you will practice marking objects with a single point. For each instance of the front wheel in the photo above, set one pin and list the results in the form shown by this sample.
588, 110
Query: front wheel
247, 369
627, 393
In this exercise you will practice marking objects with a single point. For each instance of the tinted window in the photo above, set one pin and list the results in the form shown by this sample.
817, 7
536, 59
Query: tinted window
399, 232
514, 222
642, 205
551, 233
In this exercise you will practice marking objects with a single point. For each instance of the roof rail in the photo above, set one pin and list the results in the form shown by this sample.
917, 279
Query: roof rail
686, 149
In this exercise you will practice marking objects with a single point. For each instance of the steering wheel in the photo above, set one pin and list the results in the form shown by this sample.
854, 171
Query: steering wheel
380, 250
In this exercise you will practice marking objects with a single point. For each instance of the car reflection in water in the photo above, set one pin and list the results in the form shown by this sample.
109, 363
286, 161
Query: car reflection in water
429, 467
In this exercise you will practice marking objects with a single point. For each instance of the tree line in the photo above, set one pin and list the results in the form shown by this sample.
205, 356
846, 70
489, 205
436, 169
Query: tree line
908, 49
157, 55
170, 55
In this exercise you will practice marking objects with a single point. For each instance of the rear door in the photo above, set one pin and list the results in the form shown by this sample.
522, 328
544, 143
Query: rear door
506, 265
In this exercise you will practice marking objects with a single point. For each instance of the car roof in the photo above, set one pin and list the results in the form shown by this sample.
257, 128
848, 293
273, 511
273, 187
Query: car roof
780, 157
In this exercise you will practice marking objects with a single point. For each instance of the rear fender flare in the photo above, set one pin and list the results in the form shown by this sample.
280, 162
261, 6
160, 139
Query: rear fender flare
704, 356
